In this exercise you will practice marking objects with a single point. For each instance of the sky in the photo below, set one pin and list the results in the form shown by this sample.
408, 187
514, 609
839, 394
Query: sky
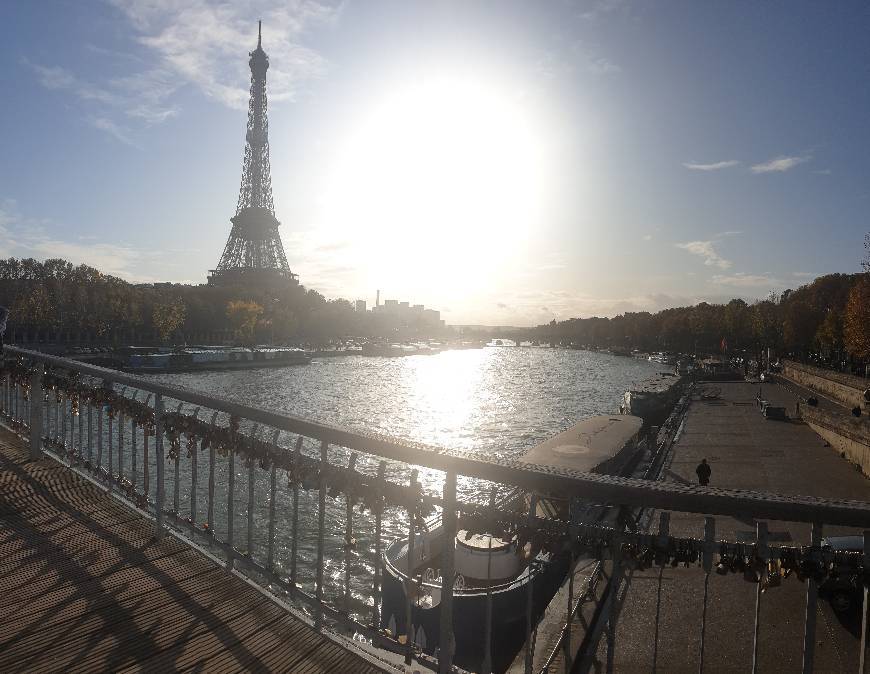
505, 162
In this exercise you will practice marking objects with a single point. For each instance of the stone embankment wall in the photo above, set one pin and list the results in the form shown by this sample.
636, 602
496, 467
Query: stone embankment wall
845, 388
848, 435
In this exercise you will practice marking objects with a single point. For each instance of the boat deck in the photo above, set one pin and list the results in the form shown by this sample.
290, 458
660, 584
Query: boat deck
84, 586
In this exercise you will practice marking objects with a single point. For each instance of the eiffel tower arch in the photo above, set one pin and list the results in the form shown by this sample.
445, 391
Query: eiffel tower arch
254, 255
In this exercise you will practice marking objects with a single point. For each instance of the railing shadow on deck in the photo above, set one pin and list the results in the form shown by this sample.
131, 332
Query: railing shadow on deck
304, 509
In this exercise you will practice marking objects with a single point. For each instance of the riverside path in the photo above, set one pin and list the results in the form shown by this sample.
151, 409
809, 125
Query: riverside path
660, 610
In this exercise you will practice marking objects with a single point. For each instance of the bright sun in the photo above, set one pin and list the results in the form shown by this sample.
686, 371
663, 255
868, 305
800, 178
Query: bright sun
442, 181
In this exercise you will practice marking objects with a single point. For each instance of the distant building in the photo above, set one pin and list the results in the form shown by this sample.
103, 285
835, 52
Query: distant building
360, 306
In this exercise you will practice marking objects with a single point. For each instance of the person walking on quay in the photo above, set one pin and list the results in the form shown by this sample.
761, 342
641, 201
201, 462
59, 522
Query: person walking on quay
703, 471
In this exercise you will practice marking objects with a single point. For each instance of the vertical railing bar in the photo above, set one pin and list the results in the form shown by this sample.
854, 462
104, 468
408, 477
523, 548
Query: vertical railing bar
100, 438
566, 640
294, 526
865, 609
134, 467
273, 483
36, 413
111, 416
231, 460
530, 643
409, 579
379, 511
761, 553
663, 542
120, 447
251, 462
194, 465
446, 641
321, 523
90, 436
158, 450
613, 600
811, 605
121, 440
64, 452
487, 624
176, 478
348, 532
707, 564
211, 462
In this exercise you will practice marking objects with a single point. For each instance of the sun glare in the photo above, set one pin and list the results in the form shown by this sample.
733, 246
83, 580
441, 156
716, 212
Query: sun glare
443, 175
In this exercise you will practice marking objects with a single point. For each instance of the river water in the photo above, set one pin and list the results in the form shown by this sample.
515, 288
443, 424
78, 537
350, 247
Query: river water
495, 401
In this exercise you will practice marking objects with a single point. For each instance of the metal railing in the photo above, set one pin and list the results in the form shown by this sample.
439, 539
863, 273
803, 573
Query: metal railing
214, 471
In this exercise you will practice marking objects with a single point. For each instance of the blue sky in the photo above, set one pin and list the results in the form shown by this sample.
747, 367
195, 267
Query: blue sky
506, 162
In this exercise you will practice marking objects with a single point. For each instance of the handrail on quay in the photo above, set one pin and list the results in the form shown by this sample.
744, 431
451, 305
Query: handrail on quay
270, 533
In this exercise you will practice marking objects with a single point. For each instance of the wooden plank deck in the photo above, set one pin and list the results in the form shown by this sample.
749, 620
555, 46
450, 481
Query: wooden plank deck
84, 586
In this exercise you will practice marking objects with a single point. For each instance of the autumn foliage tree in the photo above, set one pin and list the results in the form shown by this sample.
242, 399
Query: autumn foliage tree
243, 315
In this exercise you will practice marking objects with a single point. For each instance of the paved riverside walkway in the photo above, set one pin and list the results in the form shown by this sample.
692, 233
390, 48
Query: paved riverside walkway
84, 586
660, 611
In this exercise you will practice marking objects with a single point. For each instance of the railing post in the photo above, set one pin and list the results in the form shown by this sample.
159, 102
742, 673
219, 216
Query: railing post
36, 401
761, 553
409, 617
486, 668
531, 630
446, 642
707, 563
348, 534
160, 460
321, 524
273, 494
811, 608
865, 609
379, 512
231, 491
294, 525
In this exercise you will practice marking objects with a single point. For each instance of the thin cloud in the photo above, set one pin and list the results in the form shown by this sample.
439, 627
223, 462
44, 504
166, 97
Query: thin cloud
117, 132
203, 43
716, 166
647, 237
141, 96
706, 250
742, 280
25, 237
779, 164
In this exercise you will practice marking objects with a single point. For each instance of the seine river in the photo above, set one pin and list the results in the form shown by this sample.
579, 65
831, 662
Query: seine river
493, 400
496, 401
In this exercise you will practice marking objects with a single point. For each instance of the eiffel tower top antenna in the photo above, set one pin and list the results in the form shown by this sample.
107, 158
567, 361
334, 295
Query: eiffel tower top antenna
259, 34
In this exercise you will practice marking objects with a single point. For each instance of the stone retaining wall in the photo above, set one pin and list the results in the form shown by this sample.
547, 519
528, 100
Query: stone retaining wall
846, 388
847, 435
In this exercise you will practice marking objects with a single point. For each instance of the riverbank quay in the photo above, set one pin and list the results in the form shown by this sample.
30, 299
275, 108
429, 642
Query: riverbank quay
661, 618
87, 587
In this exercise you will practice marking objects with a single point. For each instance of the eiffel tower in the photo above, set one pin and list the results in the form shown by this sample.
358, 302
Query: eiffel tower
254, 256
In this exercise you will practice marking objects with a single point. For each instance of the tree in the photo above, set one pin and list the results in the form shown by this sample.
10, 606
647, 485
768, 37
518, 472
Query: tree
243, 317
168, 316
856, 329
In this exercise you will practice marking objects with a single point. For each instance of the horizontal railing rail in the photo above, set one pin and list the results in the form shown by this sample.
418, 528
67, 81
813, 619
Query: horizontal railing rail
208, 469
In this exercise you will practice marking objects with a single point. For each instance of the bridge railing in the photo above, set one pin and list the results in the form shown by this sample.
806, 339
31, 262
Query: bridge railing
306, 509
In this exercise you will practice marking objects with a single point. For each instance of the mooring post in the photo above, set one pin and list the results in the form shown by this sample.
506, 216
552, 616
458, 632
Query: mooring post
36, 400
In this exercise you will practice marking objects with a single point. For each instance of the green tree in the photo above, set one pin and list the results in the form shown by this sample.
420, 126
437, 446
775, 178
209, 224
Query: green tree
168, 316
243, 316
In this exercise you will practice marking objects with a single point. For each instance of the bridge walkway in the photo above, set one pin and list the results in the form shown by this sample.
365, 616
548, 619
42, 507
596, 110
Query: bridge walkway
85, 586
